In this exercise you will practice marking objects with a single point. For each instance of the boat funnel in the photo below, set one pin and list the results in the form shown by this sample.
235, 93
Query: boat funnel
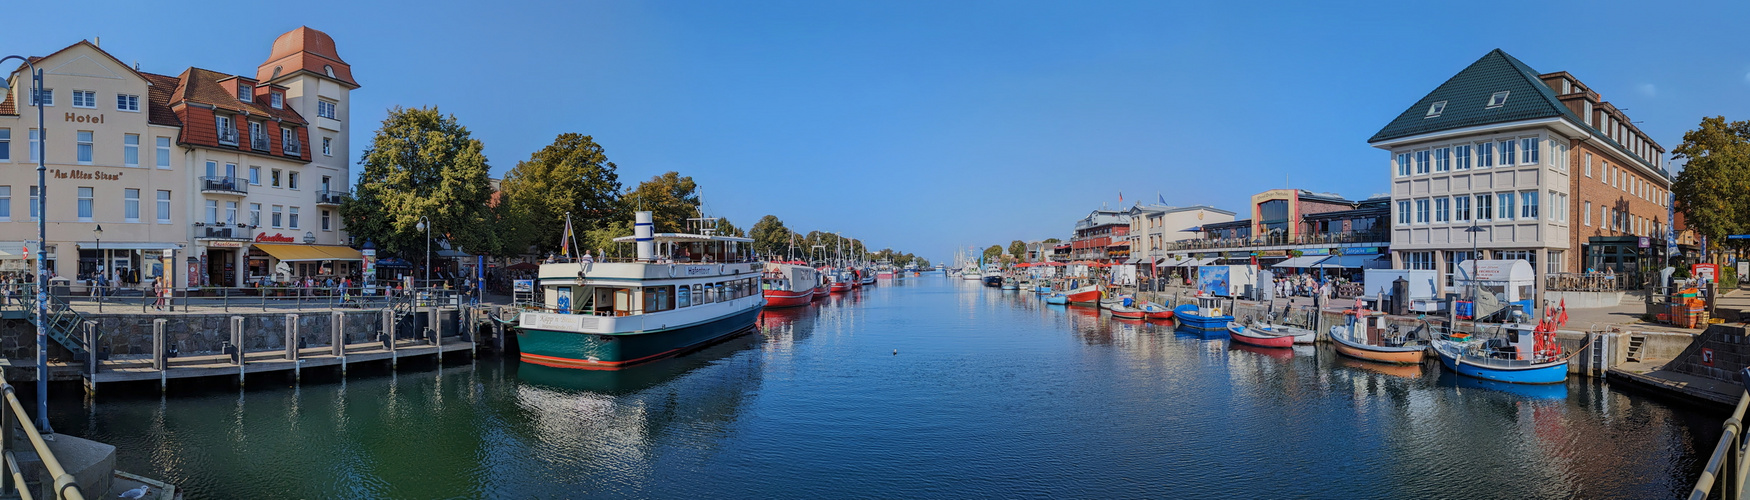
642, 235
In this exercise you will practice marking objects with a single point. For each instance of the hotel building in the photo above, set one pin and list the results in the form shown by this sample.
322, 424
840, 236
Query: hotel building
210, 178
1544, 169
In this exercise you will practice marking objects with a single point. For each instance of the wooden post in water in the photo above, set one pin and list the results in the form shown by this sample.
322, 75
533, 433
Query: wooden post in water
90, 357
237, 343
337, 334
388, 335
437, 332
160, 356
292, 346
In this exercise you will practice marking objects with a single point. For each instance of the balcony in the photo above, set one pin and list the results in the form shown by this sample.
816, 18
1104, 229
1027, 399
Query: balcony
228, 136
237, 186
331, 197
294, 148
1376, 236
258, 142
204, 231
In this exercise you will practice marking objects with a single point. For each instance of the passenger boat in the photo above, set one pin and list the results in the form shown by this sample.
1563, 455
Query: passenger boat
885, 274
1390, 347
1259, 337
1205, 315
1085, 295
611, 315
787, 284
1521, 356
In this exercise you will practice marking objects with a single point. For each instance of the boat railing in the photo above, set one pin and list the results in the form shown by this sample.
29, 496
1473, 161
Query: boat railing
57, 483
1727, 467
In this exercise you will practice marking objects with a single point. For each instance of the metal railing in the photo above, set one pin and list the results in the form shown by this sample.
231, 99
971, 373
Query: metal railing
1727, 466
227, 136
1305, 239
224, 184
1586, 282
293, 147
144, 298
63, 487
331, 197
258, 142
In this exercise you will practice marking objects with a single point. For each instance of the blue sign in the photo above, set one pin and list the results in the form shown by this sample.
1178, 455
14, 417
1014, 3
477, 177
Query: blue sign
1361, 251
1213, 280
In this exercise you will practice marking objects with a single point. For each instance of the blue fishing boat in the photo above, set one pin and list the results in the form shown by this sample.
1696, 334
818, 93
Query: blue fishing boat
1516, 357
1205, 315
1057, 298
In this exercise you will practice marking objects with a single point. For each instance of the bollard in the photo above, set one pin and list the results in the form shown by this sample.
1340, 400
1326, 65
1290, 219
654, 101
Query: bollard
159, 356
90, 347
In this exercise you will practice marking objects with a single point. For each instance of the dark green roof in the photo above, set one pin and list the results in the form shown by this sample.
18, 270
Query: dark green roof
1467, 97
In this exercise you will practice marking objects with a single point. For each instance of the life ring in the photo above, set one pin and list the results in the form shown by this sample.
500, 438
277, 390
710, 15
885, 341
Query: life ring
720, 268
671, 270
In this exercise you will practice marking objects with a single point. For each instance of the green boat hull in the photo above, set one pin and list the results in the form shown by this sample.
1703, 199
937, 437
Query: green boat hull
591, 351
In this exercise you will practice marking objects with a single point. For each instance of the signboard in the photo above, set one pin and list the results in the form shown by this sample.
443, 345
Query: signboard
273, 238
225, 244
1213, 280
1316, 251
1361, 251
1709, 272
1707, 356
1646, 242
523, 286
1273, 253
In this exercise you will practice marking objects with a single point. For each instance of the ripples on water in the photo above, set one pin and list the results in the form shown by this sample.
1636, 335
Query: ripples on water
991, 394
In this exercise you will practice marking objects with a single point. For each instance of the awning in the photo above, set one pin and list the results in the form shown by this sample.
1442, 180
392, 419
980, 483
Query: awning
310, 253
1134, 260
1301, 262
1194, 262
1354, 262
16, 249
126, 245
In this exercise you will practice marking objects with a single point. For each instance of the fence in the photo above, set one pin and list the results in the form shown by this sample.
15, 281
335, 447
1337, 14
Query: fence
1727, 466
1587, 282
116, 299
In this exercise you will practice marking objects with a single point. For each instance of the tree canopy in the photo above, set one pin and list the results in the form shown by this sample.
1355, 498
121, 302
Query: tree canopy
770, 237
423, 163
726, 228
571, 175
991, 254
1713, 189
671, 198
1018, 249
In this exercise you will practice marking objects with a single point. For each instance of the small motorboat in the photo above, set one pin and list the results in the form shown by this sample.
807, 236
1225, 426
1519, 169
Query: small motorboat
1057, 298
1155, 311
1127, 312
1205, 315
1087, 295
1522, 356
1391, 347
1261, 338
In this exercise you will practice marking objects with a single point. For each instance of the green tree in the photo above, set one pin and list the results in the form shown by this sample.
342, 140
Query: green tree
601, 240
671, 198
423, 163
770, 237
1713, 189
1052, 241
571, 175
726, 228
991, 254
1018, 249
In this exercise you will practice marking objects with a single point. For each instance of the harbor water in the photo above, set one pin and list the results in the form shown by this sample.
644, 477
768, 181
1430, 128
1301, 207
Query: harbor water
925, 387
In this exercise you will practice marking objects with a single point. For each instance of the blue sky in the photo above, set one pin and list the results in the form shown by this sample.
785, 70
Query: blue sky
930, 125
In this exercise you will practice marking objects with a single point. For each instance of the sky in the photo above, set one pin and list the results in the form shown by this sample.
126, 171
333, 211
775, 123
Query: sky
931, 126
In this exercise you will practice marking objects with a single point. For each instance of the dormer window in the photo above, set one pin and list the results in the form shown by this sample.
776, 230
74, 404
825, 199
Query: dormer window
276, 72
1435, 109
328, 69
243, 93
1497, 100
279, 102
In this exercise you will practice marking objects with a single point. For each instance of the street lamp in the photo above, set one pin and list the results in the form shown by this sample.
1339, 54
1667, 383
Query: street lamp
42, 242
425, 225
100, 260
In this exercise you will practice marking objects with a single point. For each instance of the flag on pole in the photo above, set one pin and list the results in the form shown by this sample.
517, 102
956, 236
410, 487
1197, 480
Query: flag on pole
1163, 198
565, 240
1120, 197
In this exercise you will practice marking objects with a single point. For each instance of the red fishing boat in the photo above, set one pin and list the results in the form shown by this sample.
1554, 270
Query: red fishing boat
1244, 335
1121, 311
788, 285
822, 290
1085, 295
1155, 311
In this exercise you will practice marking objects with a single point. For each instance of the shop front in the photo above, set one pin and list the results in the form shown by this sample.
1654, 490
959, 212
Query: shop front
123, 263
286, 264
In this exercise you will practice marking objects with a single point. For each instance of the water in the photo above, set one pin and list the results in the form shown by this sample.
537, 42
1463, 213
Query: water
991, 394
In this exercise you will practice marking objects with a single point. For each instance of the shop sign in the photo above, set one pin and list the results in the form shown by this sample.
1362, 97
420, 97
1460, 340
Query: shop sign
1316, 251
1361, 251
85, 175
225, 244
1705, 271
274, 238
1273, 253
1646, 242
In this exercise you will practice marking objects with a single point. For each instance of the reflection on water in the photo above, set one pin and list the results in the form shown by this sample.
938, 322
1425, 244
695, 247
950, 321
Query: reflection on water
924, 387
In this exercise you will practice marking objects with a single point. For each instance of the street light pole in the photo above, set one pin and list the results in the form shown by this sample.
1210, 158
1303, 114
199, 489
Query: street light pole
425, 225
100, 260
42, 242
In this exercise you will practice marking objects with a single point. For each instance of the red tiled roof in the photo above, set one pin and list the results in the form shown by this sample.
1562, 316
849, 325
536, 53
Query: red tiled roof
307, 50
200, 94
158, 97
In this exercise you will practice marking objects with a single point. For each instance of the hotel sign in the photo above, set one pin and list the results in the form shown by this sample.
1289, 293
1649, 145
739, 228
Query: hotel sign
273, 238
81, 118
84, 175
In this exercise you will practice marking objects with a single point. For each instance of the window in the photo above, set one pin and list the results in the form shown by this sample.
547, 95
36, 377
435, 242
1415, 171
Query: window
1419, 260
5, 144
1561, 207
1421, 162
254, 214
230, 171
258, 135
1615, 177
1461, 208
275, 177
1498, 100
325, 226
1588, 161
1506, 152
255, 175
1461, 157
227, 134
212, 211
1435, 109
131, 150
1528, 149
46, 97
1486, 155
326, 149
131, 204
5, 203
163, 207
1443, 159
292, 180
1403, 213
1442, 209
1528, 205
1560, 157
127, 102
277, 101
230, 212
325, 109
33, 204
329, 70
1485, 207
35, 140
163, 153
85, 147
276, 215
1422, 211
1403, 163
293, 218
243, 93
212, 169
1554, 258
84, 99
1504, 206
86, 197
